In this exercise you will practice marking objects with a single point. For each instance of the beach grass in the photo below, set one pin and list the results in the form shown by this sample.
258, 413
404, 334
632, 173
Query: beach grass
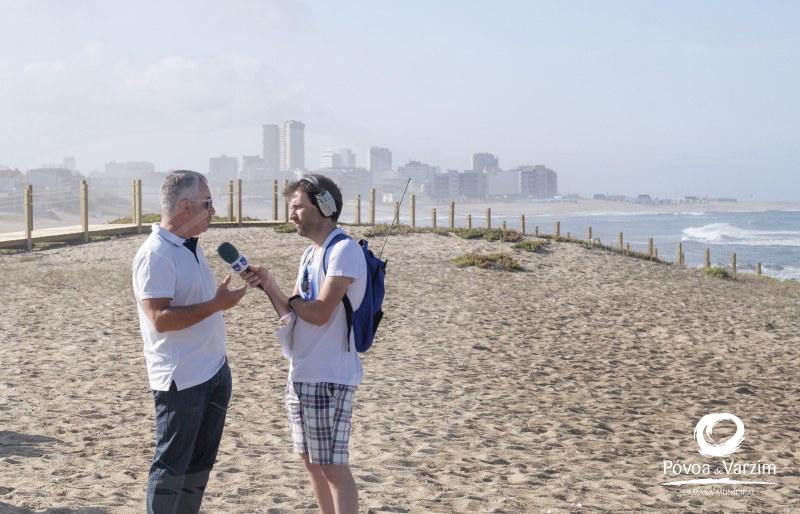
507, 236
496, 234
719, 272
148, 217
285, 228
468, 233
152, 217
396, 230
531, 245
494, 261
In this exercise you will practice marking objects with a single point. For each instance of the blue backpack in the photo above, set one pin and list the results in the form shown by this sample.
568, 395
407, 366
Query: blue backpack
363, 322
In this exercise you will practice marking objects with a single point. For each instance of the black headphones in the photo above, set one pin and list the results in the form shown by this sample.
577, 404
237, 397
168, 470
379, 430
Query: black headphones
320, 197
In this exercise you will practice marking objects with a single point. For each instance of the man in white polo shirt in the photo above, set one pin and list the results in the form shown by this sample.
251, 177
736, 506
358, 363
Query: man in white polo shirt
180, 316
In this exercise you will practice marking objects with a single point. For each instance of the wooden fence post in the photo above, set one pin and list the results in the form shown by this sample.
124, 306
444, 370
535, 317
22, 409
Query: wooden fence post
590, 232
536, 231
469, 221
358, 209
504, 225
372, 206
522, 224
452, 215
134, 196
433, 216
758, 269
679, 256
733, 263
707, 259
621, 244
650, 252
139, 214
558, 229
239, 215
230, 200
275, 200
489, 218
84, 206
136, 205
413, 211
29, 217
285, 203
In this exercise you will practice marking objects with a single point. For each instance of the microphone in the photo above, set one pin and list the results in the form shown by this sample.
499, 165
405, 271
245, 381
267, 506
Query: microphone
231, 255
238, 262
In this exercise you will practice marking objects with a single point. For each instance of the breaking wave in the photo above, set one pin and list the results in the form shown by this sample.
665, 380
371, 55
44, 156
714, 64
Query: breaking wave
726, 234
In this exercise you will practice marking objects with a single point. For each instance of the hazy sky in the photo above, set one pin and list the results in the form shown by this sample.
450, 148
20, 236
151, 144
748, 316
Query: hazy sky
667, 98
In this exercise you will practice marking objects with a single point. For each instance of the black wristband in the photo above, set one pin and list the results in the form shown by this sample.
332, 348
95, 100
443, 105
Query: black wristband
295, 297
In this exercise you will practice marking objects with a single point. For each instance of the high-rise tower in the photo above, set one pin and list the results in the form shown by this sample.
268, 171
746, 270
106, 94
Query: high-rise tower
271, 149
292, 144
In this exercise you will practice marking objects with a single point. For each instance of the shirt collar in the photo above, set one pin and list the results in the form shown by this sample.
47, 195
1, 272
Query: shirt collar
191, 244
167, 236
336, 231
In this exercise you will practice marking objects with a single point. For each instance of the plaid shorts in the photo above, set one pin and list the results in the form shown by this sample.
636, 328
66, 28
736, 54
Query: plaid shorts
319, 417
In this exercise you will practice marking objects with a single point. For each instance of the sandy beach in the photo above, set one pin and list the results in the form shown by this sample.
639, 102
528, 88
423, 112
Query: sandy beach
564, 388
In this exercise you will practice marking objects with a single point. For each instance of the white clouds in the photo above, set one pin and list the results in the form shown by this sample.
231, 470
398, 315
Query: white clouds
89, 78
92, 95
35, 70
220, 91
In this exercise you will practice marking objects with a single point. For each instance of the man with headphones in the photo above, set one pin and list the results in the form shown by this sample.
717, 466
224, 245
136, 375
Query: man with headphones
324, 367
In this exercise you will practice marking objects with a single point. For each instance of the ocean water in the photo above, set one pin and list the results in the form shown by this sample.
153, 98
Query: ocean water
771, 238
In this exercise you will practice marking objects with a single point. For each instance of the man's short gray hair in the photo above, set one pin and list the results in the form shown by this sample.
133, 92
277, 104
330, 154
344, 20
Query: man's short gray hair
179, 184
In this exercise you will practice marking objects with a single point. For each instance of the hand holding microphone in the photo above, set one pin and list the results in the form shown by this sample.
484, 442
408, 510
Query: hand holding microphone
255, 276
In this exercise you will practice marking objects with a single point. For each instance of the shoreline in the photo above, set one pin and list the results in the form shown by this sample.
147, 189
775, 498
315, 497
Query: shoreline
604, 207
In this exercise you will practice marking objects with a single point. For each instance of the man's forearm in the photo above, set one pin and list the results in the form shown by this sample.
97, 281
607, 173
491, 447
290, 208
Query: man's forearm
279, 300
178, 318
314, 311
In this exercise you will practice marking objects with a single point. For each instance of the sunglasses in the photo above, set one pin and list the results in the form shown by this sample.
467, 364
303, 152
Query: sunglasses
207, 202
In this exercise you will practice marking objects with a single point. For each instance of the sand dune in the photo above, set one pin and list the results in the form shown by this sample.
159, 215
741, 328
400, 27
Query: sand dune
562, 387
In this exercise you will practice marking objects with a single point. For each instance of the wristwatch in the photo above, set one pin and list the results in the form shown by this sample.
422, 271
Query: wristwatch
295, 297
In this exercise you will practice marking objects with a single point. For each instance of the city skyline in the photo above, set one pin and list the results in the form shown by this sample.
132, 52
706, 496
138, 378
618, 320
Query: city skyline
685, 98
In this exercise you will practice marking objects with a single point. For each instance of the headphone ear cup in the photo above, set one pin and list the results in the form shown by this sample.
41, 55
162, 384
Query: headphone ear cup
326, 203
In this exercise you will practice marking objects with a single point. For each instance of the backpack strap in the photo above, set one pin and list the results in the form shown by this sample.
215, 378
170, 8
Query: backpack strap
348, 307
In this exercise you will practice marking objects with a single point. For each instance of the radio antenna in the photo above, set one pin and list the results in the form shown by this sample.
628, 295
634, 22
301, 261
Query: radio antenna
395, 217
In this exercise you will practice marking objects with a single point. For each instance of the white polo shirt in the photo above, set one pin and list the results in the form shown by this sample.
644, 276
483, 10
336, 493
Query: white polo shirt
164, 268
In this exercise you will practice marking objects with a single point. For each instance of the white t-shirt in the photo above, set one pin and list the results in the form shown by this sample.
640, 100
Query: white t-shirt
164, 268
320, 352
